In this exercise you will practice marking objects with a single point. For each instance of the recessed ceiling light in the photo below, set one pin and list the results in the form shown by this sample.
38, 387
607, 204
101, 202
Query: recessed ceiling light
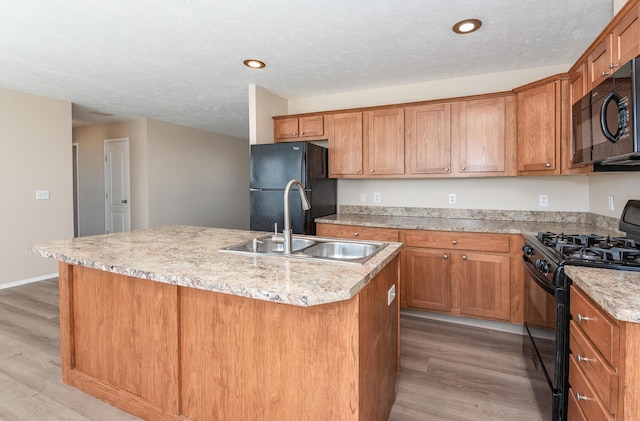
254, 64
467, 26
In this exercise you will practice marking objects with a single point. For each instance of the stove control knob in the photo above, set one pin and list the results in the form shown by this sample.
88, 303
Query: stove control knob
543, 266
527, 250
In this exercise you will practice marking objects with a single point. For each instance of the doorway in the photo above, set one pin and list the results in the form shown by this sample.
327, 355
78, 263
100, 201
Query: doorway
117, 185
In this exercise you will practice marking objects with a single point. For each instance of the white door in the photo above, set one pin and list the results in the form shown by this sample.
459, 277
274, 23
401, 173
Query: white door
116, 176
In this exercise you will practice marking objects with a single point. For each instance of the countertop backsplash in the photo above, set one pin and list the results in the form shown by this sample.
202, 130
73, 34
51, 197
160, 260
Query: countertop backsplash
598, 221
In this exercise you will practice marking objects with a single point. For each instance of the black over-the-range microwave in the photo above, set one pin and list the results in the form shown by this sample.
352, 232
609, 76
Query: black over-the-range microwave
605, 124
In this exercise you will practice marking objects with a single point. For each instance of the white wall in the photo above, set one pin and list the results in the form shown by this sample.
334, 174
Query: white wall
197, 178
622, 186
35, 134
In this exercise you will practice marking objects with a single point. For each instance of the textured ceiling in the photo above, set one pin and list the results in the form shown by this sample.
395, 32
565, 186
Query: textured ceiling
180, 61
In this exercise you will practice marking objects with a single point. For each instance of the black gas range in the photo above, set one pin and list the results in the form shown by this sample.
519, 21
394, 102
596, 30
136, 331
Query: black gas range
547, 292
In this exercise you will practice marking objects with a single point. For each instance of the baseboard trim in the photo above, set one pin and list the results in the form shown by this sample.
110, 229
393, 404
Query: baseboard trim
485, 324
29, 281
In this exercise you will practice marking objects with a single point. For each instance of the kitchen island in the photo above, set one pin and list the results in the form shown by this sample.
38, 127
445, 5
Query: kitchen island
163, 325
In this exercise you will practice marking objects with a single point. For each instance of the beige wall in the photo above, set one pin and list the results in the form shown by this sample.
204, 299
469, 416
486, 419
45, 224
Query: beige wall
262, 106
179, 175
197, 178
566, 193
35, 133
90, 140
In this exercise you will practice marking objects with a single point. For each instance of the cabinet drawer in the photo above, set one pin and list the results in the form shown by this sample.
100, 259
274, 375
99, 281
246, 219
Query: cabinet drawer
596, 325
457, 240
584, 395
602, 377
353, 232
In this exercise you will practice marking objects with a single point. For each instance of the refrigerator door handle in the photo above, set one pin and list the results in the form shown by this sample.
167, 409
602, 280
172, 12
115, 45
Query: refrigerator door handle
252, 189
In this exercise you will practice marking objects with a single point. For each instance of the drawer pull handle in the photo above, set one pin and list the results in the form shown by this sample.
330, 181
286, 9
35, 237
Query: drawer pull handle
355, 234
582, 359
454, 242
580, 397
582, 318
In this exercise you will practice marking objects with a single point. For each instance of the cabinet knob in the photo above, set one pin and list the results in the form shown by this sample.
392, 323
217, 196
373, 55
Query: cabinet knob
464, 257
295, 134
446, 170
445, 257
580, 397
582, 318
604, 74
464, 168
547, 165
581, 359
454, 242
355, 234
358, 170
613, 65
370, 171
301, 133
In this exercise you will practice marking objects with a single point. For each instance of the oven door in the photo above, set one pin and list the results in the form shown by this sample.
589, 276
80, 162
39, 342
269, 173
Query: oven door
540, 339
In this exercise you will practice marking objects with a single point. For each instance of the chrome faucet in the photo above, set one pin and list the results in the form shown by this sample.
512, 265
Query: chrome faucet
286, 232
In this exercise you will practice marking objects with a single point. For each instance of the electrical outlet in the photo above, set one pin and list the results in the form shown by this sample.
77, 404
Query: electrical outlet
391, 294
611, 203
544, 200
42, 194
452, 198
363, 197
376, 198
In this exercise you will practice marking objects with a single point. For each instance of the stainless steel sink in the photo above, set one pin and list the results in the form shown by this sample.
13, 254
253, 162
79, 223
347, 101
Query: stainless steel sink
341, 250
312, 248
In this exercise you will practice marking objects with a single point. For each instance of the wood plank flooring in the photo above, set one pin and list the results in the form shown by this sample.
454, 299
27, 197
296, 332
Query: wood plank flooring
449, 372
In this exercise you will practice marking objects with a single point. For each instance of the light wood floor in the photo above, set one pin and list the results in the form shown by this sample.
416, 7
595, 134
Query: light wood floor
449, 372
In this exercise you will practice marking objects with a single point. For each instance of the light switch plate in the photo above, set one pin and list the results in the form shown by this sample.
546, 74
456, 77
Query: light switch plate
42, 194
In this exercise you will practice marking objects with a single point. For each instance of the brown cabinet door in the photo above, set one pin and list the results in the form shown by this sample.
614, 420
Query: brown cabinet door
600, 61
384, 139
286, 128
427, 277
626, 39
484, 284
345, 144
428, 134
538, 128
578, 81
311, 126
481, 136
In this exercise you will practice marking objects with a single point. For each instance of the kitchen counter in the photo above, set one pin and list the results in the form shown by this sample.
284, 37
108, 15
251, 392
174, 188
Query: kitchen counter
616, 291
161, 324
188, 256
461, 224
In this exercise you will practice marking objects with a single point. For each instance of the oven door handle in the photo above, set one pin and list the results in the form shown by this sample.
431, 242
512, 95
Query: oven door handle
528, 263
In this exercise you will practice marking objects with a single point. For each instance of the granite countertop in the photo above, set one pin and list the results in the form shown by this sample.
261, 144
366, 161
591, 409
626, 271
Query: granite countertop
616, 291
462, 224
189, 256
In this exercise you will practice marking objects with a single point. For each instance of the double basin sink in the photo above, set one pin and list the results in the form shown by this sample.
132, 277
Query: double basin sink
307, 247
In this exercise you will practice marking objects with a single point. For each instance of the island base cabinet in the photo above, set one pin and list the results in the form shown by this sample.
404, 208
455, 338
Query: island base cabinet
163, 352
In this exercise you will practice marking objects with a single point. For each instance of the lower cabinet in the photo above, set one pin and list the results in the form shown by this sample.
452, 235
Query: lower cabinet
464, 274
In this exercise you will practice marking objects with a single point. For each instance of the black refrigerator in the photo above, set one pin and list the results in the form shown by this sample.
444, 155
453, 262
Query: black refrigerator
272, 166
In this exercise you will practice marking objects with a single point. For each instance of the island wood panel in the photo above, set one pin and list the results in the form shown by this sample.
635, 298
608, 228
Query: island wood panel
379, 345
119, 340
250, 359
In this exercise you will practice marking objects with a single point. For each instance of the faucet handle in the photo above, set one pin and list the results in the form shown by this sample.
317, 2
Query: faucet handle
275, 234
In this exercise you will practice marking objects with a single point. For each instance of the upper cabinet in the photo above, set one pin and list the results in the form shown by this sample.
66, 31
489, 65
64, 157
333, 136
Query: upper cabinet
345, 144
615, 49
540, 126
293, 129
383, 136
428, 139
